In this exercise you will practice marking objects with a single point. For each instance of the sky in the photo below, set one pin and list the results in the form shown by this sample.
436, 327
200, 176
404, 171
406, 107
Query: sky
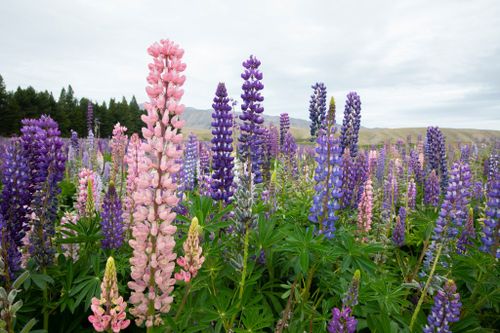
414, 63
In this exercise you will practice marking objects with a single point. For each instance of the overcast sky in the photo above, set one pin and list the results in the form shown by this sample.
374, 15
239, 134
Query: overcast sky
414, 63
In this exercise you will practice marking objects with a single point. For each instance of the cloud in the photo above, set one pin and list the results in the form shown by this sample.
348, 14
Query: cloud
413, 63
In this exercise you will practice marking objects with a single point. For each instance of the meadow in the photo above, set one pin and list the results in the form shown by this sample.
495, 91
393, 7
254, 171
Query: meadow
247, 227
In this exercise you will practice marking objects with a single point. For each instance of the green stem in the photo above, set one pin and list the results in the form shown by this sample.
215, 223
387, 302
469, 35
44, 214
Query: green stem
183, 302
245, 259
45, 303
427, 284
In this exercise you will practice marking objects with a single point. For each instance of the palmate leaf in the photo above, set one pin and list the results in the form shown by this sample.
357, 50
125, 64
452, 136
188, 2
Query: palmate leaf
85, 288
255, 320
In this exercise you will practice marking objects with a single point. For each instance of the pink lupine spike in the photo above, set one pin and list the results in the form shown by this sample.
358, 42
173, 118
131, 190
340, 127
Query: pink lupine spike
153, 259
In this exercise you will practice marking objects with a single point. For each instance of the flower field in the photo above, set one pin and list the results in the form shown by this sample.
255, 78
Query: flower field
159, 231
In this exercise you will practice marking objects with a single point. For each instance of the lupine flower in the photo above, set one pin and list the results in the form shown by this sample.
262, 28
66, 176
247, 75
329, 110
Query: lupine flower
153, 258
222, 162
351, 297
70, 250
372, 161
189, 165
14, 206
477, 191
381, 165
435, 154
272, 141
266, 157
342, 321
74, 147
118, 145
328, 184
203, 158
251, 130
491, 232
390, 189
361, 174
351, 123
431, 189
112, 219
411, 194
284, 127
453, 213
365, 208
86, 179
467, 235
317, 108
109, 310
446, 309
398, 234
203, 171
348, 179
90, 118
330, 115
414, 167
42, 146
192, 260
289, 153
134, 156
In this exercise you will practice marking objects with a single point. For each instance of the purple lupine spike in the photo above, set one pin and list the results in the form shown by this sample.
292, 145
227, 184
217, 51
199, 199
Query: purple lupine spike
222, 146
351, 123
414, 167
467, 235
490, 237
266, 156
204, 158
189, 163
390, 189
112, 220
289, 153
381, 165
431, 189
272, 141
251, 130
317, 108
90, 118
348, 179
465, 152
446, 309
360, 176
14, 206
435, 155
342, 321
75, 145
412, 194
398, 234
351, 297
477, 191
328, 177
453, 213
284, 127
42, 146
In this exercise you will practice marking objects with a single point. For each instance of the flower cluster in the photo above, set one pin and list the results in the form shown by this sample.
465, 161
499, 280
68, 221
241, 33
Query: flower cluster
351, 123
284, 127
112, 219
222, 146
446, 309
192, 260
398, 234
365, 208
118, 145
69, 219
135, 155
431, 189
491, 228
86, 202
317, 108
153, 258
435, 155
251, 129
328, 184
342, 321
109, 310
190, 162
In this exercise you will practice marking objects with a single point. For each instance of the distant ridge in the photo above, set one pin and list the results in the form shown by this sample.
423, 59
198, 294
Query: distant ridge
198, 121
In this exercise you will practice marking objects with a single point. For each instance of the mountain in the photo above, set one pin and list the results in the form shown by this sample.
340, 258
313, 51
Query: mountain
198, 121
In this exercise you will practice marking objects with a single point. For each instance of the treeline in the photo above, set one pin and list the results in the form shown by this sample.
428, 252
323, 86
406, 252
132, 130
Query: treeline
69, 111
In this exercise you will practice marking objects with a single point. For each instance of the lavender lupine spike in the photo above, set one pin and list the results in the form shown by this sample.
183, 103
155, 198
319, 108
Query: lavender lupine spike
381, 165
317, 108
490, 237
414, 167
390, 189
351, 297
435, 155
289, 153
431, 189
467, 235
90, 118
284, 127
453, 213
328, 177
251, 131
42, 146
342, 321
348, 179
222, 146
446, 309
273, 141
398, 234
189, 164
112, 220
351, 123
412, 194
14, 206
360, 176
